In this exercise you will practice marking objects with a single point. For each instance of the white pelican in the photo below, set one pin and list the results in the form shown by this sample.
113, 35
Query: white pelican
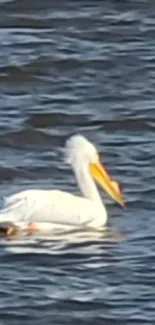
41, 210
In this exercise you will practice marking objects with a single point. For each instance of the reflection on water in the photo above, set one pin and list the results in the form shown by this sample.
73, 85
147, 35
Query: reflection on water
63, 238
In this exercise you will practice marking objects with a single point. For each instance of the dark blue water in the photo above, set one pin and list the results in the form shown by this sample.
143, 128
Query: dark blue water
85, 67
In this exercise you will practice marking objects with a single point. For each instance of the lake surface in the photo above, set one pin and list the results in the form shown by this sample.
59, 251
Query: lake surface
79, 67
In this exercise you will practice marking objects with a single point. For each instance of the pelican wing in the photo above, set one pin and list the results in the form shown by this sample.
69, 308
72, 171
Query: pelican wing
47, 206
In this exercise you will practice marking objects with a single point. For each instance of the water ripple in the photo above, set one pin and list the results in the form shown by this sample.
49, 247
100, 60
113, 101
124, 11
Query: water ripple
79, 67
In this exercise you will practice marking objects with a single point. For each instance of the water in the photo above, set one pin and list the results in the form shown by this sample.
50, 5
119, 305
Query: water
85, 67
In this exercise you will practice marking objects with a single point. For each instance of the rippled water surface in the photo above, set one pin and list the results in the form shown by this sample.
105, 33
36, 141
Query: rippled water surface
79, 67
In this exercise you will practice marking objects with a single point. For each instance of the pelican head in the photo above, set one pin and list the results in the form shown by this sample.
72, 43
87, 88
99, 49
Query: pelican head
81, 152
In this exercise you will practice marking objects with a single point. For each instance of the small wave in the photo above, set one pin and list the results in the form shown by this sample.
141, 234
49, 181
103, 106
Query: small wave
38, 68
56, 119
29, 138
61, 119
8, 174
47, 130
13, 74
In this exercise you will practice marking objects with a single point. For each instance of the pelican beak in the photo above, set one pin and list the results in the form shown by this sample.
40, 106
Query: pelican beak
110, 186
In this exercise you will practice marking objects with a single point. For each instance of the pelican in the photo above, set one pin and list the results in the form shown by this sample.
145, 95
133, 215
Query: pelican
42, 210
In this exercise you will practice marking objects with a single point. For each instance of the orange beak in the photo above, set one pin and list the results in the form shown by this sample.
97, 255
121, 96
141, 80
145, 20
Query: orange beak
102, 177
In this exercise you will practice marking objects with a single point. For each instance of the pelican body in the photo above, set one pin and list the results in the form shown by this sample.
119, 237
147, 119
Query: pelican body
42, 210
